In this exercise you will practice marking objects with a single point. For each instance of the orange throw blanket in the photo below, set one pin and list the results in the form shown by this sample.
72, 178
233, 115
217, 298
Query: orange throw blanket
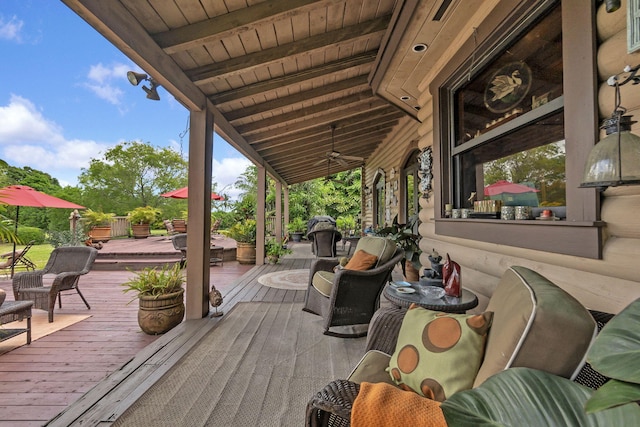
383, 405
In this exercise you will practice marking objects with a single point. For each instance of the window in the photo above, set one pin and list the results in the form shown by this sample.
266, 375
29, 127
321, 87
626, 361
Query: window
508, 118
509, 140
410, 186
379, 200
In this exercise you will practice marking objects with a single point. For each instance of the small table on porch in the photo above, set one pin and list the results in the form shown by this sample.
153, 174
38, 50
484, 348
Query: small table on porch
10, 311
216, 255
447, 304
352, 240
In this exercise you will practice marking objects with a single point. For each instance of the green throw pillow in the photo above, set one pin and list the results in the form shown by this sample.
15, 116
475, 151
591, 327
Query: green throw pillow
438, 354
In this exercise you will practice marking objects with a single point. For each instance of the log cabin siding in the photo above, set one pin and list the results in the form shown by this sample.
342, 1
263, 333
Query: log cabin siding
389, 155
608, 284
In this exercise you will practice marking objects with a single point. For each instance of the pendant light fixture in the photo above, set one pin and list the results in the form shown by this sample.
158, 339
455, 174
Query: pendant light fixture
615, 160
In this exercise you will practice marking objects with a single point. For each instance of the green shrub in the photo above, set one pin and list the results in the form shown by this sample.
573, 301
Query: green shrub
27, 234
66, 238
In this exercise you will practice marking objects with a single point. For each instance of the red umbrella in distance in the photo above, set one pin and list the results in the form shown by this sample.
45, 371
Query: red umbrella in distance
183, 193
503, 186
22, 195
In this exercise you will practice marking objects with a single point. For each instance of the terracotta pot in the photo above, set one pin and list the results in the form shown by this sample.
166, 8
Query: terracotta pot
246, 253
159, 314
100, 234
140, 231
411, 274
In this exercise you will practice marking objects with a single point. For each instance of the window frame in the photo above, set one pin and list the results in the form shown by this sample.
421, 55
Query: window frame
580, 234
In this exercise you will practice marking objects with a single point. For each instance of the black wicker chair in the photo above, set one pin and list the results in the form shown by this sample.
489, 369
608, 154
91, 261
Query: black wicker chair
355, 295
324, 242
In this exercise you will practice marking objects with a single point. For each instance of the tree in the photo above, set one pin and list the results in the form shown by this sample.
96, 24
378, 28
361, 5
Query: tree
130, 175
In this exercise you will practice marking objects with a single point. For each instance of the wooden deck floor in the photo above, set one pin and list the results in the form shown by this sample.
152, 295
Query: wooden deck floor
100, 365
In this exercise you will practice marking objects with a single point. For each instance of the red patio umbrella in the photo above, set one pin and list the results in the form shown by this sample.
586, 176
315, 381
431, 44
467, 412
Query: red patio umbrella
503, 186
22, 195
183, 193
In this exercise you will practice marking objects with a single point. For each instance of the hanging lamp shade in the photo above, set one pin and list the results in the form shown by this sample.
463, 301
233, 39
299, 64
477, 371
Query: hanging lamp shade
615, 160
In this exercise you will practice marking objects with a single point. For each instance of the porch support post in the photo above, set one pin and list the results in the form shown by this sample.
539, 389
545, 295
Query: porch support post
199, 218
286, 205
278, 224
260, 216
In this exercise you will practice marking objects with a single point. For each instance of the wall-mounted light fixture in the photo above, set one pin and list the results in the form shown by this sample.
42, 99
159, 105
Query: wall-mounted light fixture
135, 79
615, 160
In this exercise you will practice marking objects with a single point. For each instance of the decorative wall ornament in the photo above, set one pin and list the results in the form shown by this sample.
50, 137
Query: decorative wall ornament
426, 173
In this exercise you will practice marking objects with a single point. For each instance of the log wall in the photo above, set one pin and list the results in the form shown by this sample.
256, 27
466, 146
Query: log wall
609, 284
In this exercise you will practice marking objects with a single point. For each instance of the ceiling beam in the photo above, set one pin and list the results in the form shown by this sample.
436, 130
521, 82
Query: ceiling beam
295, 78
349, 101
375, 107
297, 98
242, 64
232, 23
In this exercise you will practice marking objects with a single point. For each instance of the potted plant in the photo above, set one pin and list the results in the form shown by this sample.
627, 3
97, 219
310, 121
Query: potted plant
275, 250
244, 233
140, 219
296, 229
542, 398
98, 224
404, 237
346, 224
160, 296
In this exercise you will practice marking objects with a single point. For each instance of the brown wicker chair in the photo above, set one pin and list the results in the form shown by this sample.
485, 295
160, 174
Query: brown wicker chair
355, 295
180, 244
67, 264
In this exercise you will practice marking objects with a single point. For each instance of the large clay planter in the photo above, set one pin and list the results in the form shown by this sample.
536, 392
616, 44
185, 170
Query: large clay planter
246, 253
100, 234
140, 231
159, 314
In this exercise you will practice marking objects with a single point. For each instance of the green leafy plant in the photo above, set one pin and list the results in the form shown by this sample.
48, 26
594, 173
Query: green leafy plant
541, 398
153, 281
67, 238
243, 231
93, 218
275, 249
297, 225
144, 215
346, 224
404, 237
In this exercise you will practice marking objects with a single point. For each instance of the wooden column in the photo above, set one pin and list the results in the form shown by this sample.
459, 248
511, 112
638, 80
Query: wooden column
278, 225
260, 214
286, 206
199, 219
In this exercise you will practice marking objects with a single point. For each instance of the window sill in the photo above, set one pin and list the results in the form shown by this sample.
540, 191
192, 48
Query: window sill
581, 239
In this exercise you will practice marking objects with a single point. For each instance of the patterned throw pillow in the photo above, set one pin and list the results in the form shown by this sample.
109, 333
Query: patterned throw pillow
361, 260
438, 354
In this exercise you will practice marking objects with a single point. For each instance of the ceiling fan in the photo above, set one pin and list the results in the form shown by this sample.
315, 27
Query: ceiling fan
336, 156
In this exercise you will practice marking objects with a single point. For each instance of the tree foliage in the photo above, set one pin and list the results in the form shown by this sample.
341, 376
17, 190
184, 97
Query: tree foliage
130, 175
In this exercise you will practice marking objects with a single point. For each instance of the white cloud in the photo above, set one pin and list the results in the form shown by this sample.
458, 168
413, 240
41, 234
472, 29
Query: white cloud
11, 30
27, 138
102, 80
226, 173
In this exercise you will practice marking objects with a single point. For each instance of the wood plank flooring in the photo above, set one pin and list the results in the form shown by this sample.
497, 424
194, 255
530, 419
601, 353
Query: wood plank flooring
40, 380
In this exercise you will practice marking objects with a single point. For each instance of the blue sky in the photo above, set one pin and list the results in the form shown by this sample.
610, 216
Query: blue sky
65, 98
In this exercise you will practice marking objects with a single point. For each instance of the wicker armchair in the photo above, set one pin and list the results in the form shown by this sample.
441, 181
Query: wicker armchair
67, 264
355, 295
180, 244
332, 405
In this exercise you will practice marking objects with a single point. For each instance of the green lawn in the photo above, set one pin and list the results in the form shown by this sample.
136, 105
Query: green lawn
38, 254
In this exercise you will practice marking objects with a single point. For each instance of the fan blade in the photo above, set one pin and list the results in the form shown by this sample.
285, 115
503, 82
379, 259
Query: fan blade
319, 162
341, 162
353, 158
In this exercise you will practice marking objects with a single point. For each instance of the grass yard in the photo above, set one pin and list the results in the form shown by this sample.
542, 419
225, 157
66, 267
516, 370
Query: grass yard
38, 254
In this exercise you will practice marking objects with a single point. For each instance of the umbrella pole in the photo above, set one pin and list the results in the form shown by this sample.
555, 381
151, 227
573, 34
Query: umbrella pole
15, 229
